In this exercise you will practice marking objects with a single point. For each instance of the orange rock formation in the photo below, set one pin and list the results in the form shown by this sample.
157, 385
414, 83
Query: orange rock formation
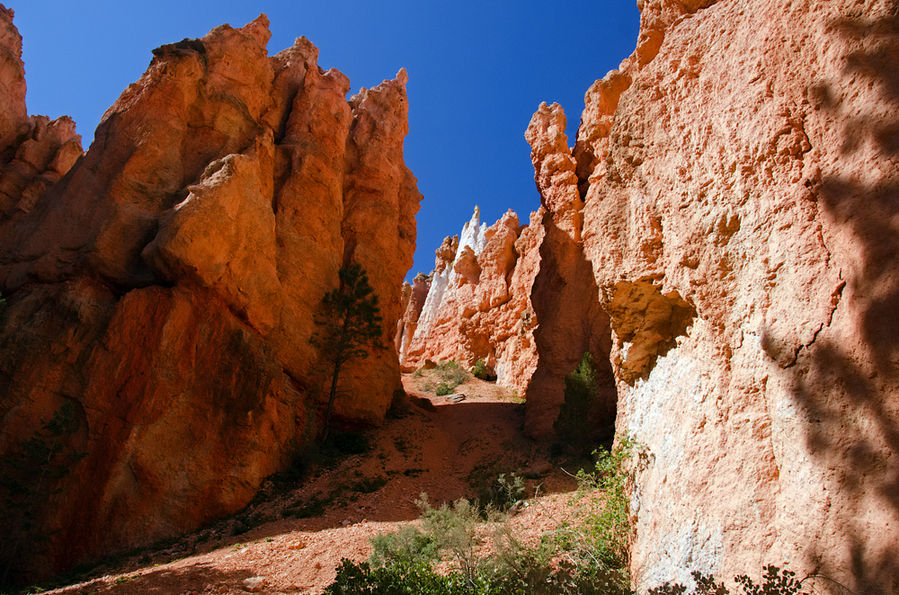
740, 187
724, 234
161, 295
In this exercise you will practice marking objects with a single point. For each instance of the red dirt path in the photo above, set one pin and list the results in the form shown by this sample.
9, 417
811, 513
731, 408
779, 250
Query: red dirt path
438, 450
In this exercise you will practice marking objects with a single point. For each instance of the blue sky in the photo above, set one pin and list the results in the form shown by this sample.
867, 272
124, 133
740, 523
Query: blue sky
477, 71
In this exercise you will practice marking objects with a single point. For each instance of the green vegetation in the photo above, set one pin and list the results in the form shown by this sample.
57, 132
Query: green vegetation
774, 582
351, 323
449, 375
580, 395
497, 491
591, 557
481, 371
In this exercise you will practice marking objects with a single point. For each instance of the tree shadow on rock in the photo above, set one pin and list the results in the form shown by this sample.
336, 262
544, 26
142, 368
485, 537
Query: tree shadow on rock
847, 382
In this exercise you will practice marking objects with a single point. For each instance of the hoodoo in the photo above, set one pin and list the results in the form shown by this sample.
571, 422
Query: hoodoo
155, 361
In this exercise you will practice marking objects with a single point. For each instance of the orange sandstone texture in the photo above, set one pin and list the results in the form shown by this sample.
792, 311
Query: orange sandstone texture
521, 298
35, 152
161, 295
741, 218
477, 303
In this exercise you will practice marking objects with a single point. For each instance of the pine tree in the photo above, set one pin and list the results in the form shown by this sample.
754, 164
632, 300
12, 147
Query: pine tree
350, 322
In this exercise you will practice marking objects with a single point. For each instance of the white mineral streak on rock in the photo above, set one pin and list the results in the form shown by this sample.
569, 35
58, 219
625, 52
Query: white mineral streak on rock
473, 236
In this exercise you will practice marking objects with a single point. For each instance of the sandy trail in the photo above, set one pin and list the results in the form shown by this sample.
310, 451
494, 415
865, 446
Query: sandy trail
439, 448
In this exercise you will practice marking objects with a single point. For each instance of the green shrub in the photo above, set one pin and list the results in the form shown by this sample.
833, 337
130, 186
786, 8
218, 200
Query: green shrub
454, 530
444, 389
407, 547
503, 492
393, 579
448, 375
604, 534
452, 373
481, 371
580, 395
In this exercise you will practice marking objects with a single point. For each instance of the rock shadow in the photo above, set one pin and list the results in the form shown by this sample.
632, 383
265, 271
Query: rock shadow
847, 387
570, 323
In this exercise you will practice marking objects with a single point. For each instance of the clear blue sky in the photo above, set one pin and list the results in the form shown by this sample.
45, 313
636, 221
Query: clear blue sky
477, 71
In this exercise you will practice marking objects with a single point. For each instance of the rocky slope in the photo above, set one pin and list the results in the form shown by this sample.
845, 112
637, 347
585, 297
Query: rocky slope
155, 362
740, 210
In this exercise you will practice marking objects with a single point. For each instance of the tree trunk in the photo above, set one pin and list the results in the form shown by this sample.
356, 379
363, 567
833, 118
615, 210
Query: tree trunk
332, 396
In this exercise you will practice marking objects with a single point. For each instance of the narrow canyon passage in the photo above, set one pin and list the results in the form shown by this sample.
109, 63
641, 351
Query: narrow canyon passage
293, 539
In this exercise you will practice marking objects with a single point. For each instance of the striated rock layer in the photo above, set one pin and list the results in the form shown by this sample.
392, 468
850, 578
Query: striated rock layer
741, 218
155, 362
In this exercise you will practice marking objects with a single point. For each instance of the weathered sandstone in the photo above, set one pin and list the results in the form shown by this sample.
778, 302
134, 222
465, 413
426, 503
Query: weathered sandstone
34, 152
161, 295
741, 197
495, 295
477, 303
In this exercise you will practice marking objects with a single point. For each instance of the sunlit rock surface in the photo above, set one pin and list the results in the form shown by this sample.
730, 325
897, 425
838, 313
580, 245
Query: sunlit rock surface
741, 197
161, 295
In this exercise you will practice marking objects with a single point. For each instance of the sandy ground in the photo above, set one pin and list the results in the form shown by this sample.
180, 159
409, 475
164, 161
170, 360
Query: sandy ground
440, 448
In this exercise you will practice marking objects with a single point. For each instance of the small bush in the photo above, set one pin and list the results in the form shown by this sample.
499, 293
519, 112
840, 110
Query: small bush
407, 547
775, 582
452, 373
580, 395
482, 371
605, 531
448, 375
504, 492
454, 530
444, 389
392, 579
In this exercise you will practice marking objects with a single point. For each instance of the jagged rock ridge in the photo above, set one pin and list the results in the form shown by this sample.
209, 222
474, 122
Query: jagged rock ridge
161, 294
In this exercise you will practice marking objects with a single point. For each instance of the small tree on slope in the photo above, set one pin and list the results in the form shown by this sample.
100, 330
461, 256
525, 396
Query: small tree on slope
350, 322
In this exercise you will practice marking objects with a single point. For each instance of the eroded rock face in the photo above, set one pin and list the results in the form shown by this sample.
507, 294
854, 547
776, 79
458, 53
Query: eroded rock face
741, 200
161, 296
520, 297
34, 151
476, 303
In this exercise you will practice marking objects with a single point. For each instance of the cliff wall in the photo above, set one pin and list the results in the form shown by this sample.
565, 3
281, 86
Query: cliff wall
724, 235
740, 211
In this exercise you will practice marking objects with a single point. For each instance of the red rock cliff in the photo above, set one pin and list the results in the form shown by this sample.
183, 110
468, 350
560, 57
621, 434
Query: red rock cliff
161, 295
741, 218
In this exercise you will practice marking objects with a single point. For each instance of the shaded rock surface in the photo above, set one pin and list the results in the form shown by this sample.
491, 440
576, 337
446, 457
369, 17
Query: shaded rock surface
741, 197
161, 295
